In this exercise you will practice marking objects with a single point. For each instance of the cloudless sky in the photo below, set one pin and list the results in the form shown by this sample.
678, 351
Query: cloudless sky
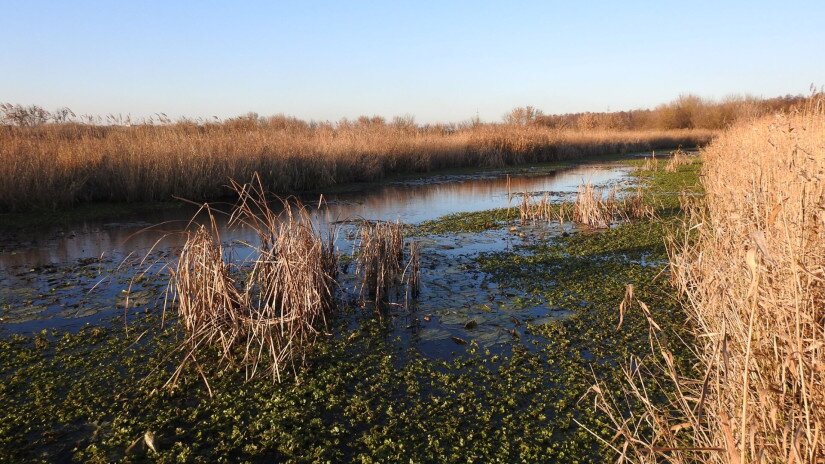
439, 61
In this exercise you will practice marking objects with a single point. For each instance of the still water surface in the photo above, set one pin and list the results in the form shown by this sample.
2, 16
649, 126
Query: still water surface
77, 274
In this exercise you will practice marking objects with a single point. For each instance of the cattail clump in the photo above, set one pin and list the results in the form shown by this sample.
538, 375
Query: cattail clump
380, 254
265, 312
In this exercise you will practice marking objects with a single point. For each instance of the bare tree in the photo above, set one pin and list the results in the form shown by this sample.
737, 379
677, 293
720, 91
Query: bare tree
522, 116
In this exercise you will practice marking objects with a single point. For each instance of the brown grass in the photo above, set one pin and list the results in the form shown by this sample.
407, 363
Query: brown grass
380, 263
55, 165
593, 207
677, 158
634, 206
267, 312
531, 209
750, 266
651, 162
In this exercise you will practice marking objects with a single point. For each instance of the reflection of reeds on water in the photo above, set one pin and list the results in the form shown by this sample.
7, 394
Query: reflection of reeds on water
268, 311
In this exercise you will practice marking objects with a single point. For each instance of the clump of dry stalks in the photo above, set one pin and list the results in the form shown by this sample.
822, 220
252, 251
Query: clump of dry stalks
651, 163
633, 206
380, 262
264, 312
749, 263
543, 208
677, 158
593, 207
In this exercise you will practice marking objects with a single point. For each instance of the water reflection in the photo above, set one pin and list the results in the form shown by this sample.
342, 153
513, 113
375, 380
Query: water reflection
410, 202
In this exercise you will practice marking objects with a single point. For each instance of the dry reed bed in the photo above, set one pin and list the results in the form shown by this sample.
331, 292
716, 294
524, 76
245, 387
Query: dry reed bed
62, 164
749, 264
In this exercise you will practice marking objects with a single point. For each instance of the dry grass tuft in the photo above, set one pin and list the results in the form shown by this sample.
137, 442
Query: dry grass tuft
651, 163
677, 158
592, 208
379, 260
750, 264
541, 209
635, 207
265, 312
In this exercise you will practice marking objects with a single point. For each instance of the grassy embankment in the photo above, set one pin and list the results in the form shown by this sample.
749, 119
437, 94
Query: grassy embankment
364, 396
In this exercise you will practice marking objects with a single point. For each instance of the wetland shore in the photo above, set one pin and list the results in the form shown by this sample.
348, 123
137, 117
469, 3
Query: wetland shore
542, 299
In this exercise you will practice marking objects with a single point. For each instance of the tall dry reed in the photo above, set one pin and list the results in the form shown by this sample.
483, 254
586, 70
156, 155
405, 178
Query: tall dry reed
379, 260
265, 313
593, 208
750, 265
677, 158
56, 165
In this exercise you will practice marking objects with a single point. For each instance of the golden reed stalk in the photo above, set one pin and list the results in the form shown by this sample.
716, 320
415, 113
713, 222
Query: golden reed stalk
749, 263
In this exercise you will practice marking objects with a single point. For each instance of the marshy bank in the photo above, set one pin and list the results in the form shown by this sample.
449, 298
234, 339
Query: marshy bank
52, 166
748, 264
489, 362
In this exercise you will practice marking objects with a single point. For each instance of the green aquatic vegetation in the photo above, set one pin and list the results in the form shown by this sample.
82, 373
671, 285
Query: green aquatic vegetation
366, 396
663, 187
634, 240
90, 395
477, 221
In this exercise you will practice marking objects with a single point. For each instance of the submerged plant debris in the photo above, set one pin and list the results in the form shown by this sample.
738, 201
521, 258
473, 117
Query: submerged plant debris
513, 323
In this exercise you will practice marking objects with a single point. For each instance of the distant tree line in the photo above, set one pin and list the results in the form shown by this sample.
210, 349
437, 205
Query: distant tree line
685, 112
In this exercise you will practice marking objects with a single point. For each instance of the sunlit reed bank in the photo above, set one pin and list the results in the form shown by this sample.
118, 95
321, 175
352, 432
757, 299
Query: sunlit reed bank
749, 265
55, 165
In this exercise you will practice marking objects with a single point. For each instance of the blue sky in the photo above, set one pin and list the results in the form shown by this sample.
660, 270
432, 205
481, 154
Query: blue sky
439, 61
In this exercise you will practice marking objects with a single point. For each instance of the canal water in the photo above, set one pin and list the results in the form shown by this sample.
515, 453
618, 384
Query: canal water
84, 273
